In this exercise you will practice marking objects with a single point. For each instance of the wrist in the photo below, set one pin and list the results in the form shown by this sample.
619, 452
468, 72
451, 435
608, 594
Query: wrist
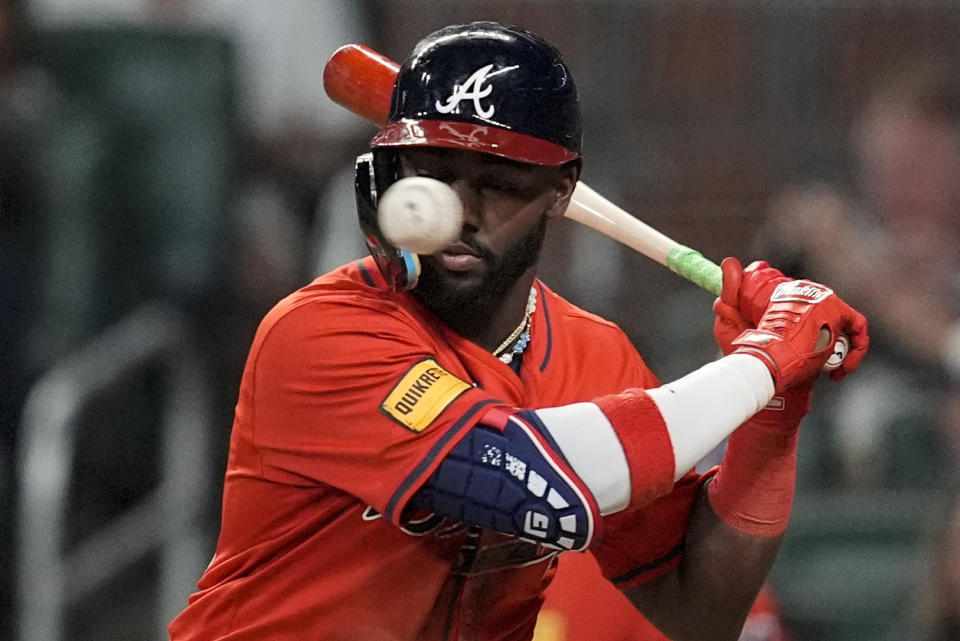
785, 410
753, 490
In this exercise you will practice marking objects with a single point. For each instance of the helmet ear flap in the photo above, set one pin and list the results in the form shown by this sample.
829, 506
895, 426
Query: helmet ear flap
374, 173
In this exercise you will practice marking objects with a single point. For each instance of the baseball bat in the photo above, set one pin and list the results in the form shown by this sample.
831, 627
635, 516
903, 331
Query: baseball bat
361, 80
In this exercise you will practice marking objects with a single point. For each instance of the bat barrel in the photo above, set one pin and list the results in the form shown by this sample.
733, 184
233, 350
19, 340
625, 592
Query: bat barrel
360, 79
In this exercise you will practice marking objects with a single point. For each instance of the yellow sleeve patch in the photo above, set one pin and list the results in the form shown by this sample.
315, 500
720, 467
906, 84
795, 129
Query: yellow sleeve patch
422, 394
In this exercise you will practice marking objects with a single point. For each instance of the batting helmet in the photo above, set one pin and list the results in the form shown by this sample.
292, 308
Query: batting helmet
486, 87
483, 86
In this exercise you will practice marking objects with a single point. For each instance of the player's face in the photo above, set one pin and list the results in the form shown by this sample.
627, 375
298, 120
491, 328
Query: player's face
506, 207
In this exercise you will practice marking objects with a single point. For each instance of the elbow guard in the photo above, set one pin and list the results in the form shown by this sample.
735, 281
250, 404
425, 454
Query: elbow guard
508, 475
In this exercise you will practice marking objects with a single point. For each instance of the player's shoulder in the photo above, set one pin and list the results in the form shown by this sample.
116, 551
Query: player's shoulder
585, 338
346, 296
572, 317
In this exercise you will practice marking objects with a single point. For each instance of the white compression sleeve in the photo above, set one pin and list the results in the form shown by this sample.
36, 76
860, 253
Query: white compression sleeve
707, 405
699, 410
592, 448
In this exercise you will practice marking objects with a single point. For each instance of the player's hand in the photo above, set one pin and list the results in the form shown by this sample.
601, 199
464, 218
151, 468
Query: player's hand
796, 333
729, 322
745, 295
749, 290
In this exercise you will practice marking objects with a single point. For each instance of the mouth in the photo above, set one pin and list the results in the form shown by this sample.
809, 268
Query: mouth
459, 257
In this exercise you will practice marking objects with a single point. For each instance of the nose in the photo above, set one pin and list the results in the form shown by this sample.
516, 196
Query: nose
471, 202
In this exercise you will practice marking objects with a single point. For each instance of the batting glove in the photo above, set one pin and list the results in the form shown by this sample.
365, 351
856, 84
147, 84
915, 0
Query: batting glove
729, 322
796, 334
749, 290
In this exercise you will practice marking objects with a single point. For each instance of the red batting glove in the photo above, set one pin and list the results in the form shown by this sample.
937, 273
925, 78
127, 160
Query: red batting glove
759, 282
753, 489
729, 322
749, 290
788, 337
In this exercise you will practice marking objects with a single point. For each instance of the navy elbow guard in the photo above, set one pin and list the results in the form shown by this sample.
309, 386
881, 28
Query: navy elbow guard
513, 479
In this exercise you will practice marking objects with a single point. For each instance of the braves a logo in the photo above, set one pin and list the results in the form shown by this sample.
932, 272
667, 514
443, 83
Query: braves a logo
473, 89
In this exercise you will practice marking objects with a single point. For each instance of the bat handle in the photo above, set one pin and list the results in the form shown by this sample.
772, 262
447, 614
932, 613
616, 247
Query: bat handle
693, 266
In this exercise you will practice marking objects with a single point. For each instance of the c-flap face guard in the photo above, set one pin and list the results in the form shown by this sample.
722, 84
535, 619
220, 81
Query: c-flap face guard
399, 267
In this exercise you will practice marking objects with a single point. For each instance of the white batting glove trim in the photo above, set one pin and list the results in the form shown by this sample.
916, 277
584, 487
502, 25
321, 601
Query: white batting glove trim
704, 407
589, 443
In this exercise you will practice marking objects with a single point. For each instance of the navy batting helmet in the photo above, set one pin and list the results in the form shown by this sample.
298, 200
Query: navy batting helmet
483, 86
486, 87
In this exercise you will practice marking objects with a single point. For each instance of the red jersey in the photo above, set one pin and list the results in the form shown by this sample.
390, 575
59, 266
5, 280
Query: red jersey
580, 604
350, 398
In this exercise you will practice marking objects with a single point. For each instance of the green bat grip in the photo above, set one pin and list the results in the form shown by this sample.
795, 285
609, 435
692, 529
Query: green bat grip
701, 271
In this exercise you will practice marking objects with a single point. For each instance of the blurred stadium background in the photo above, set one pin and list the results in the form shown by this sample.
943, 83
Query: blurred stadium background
170, 168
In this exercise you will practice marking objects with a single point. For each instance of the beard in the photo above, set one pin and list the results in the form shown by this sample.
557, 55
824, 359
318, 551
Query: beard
469, 308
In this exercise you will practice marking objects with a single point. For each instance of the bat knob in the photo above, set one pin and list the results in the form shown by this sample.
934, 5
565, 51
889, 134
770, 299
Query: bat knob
840, 348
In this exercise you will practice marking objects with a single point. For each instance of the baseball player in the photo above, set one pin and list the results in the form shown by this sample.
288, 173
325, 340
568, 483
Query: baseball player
420, 439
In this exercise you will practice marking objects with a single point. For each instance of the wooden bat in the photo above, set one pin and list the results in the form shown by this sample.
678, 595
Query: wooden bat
360, 79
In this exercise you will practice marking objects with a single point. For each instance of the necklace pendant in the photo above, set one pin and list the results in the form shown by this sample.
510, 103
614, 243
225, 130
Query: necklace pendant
520, 337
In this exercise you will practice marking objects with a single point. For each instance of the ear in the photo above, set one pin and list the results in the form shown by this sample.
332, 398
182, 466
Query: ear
566, 181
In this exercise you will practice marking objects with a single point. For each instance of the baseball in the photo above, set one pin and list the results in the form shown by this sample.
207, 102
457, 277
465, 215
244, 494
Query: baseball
420, 214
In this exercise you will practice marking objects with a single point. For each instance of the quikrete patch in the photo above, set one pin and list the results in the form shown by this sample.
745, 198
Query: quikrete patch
422, 394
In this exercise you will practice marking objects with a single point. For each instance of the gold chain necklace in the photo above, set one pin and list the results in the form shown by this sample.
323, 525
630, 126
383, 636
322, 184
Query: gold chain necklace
518, 333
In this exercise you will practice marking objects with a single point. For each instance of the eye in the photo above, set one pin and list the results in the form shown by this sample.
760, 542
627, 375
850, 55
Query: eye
500, 186
441, 176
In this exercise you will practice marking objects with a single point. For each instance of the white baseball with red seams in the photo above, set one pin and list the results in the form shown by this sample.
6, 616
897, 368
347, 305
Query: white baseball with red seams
422, 215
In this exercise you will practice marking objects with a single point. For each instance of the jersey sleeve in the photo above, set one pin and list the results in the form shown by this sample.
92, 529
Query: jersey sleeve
349, 394
641, 544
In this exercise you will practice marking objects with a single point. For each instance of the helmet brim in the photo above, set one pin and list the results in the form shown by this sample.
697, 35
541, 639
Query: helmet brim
468, 136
